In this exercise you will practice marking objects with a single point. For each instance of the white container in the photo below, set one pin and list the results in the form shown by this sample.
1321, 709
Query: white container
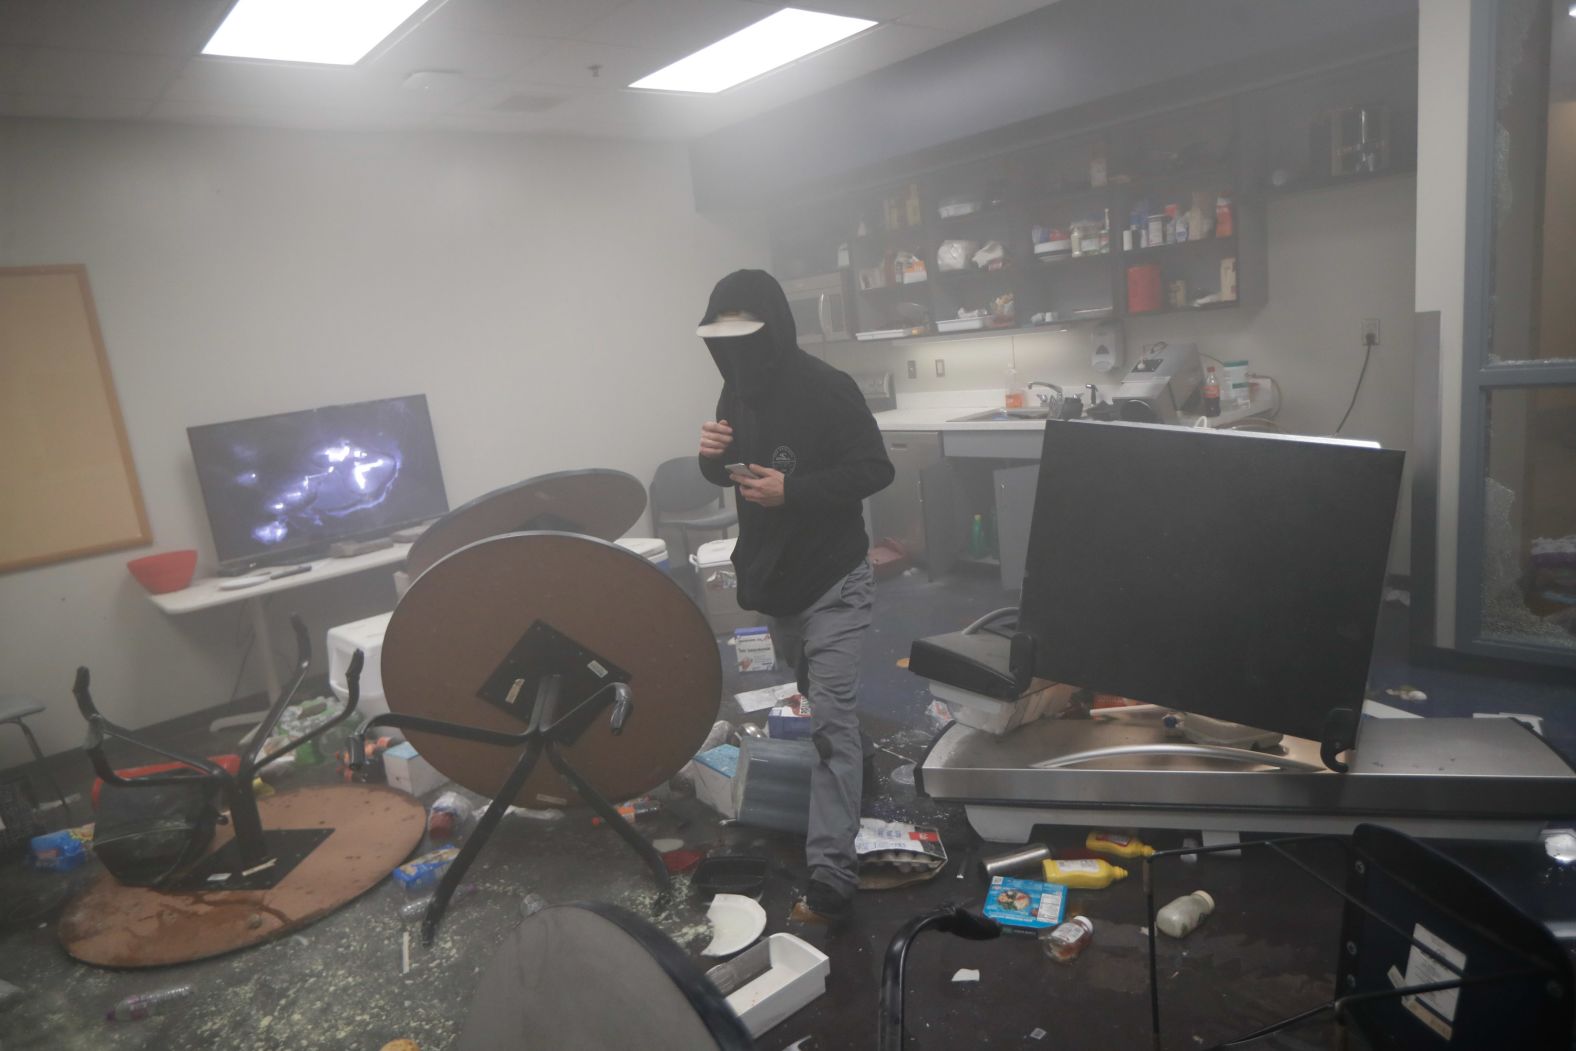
960, 324
797, 976
1000, 717
649, 548
720, 587
409, 772
365, 635
1182, 917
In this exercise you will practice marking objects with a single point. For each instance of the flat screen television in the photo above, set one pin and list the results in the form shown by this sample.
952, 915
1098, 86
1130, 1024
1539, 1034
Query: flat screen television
282, 488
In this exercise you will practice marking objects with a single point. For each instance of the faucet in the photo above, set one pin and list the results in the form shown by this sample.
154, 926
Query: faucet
1045, 399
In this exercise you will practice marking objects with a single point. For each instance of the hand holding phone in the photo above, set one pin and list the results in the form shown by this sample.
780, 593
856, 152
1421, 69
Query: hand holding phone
740, 468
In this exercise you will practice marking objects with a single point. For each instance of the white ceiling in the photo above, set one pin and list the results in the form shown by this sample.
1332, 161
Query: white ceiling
508, 65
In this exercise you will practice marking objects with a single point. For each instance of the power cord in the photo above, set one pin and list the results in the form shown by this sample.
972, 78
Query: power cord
1369, 342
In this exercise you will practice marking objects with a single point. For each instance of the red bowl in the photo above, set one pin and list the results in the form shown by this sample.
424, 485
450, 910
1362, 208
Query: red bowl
167, 571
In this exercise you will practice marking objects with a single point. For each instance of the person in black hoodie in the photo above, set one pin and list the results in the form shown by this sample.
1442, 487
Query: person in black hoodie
813, 454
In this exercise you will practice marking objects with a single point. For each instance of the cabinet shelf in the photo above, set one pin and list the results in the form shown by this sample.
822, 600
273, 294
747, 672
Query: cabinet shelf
1225, 305
1176, 246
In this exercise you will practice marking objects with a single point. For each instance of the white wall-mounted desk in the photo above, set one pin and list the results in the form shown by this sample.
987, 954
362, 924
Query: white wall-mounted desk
206, 594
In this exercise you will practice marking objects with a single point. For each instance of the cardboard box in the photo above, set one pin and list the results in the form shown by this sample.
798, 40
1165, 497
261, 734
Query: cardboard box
713, 771
791, 721
1025, 904
409, 772
892, 853
753, 647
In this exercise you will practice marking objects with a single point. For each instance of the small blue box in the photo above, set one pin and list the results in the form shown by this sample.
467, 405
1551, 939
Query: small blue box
791, 721
1026, 904
58, 851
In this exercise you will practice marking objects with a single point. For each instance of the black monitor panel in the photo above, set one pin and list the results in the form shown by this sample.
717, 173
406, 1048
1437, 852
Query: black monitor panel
1231, 574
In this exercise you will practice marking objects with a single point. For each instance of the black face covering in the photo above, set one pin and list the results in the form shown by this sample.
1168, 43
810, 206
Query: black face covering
745, 362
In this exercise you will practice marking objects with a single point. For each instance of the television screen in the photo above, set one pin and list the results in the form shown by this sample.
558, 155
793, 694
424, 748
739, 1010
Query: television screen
281, 488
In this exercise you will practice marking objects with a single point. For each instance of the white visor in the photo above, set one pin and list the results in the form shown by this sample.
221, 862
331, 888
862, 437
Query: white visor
727, 328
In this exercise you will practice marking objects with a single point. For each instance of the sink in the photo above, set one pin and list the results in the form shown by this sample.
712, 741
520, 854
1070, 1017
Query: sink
1002, 415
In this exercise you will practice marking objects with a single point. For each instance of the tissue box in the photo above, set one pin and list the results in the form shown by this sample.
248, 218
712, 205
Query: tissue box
409, 772
714, 770
791, 721
753, 647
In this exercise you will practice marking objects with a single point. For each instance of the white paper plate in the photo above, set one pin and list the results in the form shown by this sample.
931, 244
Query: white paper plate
736, 921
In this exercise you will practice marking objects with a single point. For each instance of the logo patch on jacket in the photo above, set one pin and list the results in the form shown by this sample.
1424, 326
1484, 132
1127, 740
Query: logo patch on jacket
784, 460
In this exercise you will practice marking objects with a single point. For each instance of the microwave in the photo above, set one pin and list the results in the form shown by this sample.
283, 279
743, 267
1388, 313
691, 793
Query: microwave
820, 308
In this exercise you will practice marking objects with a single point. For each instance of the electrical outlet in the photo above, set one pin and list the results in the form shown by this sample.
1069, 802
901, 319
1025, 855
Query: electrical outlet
941, 367
913, 371
1370, 332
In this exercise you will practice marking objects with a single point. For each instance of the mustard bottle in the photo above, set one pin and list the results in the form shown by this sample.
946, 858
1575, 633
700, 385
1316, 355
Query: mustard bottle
1086, 874
1119, 844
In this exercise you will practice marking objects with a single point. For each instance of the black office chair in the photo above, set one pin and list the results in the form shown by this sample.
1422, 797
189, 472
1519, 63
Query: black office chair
678, 490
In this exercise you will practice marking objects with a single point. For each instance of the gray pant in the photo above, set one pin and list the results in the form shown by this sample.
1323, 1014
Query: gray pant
830, 634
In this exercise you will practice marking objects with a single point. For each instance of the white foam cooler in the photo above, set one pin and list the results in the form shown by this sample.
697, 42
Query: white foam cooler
365, 635
720, 587
651, 549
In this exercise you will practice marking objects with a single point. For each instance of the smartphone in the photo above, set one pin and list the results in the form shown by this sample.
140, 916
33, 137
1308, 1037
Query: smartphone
739, 468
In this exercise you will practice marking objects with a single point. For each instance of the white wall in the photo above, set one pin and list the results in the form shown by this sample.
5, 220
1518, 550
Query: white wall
1335, 257
542, 293
1443, 60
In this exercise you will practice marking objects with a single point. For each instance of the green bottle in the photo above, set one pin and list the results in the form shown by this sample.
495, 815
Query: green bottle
977, 548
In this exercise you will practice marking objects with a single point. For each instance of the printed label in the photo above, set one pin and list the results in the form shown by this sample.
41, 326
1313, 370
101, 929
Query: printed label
1080, 865
1438, 1009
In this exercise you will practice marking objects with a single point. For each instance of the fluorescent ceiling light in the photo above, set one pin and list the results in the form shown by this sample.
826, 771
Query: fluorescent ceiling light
330, 32
774, 41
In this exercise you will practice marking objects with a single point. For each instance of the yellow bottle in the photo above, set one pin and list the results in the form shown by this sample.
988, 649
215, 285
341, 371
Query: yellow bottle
1087, 874
1120, 844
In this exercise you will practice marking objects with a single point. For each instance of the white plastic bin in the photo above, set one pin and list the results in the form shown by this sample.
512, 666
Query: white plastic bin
367, 636
649, 548
720, 587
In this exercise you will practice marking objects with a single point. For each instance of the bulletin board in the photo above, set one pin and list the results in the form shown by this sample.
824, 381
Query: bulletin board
67, 483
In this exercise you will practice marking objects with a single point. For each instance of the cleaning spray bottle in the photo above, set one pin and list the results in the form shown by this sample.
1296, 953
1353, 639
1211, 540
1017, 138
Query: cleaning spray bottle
1118, 844
1082, 873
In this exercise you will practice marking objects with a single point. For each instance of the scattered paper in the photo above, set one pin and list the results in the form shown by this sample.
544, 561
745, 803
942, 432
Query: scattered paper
766, 697
1378, 710
966, 974
1036, 1033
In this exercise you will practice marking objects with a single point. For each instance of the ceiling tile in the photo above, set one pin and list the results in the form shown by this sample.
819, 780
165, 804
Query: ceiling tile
162, 27
568, 64
89, 74
260, 85
965, 18
480, 55
676, 27
882, 46
77, 108
531, 18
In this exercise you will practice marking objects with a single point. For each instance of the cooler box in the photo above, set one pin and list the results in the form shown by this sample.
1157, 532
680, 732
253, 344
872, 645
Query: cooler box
649, 548
367, 636
720, 588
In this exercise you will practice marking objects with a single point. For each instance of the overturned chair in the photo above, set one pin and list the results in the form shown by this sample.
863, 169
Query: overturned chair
194, 856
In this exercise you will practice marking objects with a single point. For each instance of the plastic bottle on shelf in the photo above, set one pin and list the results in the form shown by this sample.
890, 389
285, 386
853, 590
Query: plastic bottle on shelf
1082, 873
1017, 395
1119, 844
1182, 916
1064, 942
146, 1005
1211, 393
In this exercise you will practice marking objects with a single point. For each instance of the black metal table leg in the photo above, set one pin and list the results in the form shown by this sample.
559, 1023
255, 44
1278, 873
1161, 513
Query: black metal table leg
607, 812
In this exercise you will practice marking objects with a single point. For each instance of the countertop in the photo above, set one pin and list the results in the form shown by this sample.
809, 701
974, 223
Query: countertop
944, 418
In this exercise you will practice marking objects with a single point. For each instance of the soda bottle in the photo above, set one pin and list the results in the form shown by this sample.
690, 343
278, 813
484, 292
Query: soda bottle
1211, 393
146, 1005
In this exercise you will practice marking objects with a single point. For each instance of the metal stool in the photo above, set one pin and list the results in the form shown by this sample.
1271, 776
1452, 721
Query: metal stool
14, 708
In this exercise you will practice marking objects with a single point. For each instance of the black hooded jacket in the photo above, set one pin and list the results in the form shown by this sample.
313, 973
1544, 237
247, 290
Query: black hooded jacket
801, 416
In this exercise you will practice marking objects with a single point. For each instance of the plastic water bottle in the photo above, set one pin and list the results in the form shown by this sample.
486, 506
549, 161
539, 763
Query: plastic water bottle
1182, 917
146, 1005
